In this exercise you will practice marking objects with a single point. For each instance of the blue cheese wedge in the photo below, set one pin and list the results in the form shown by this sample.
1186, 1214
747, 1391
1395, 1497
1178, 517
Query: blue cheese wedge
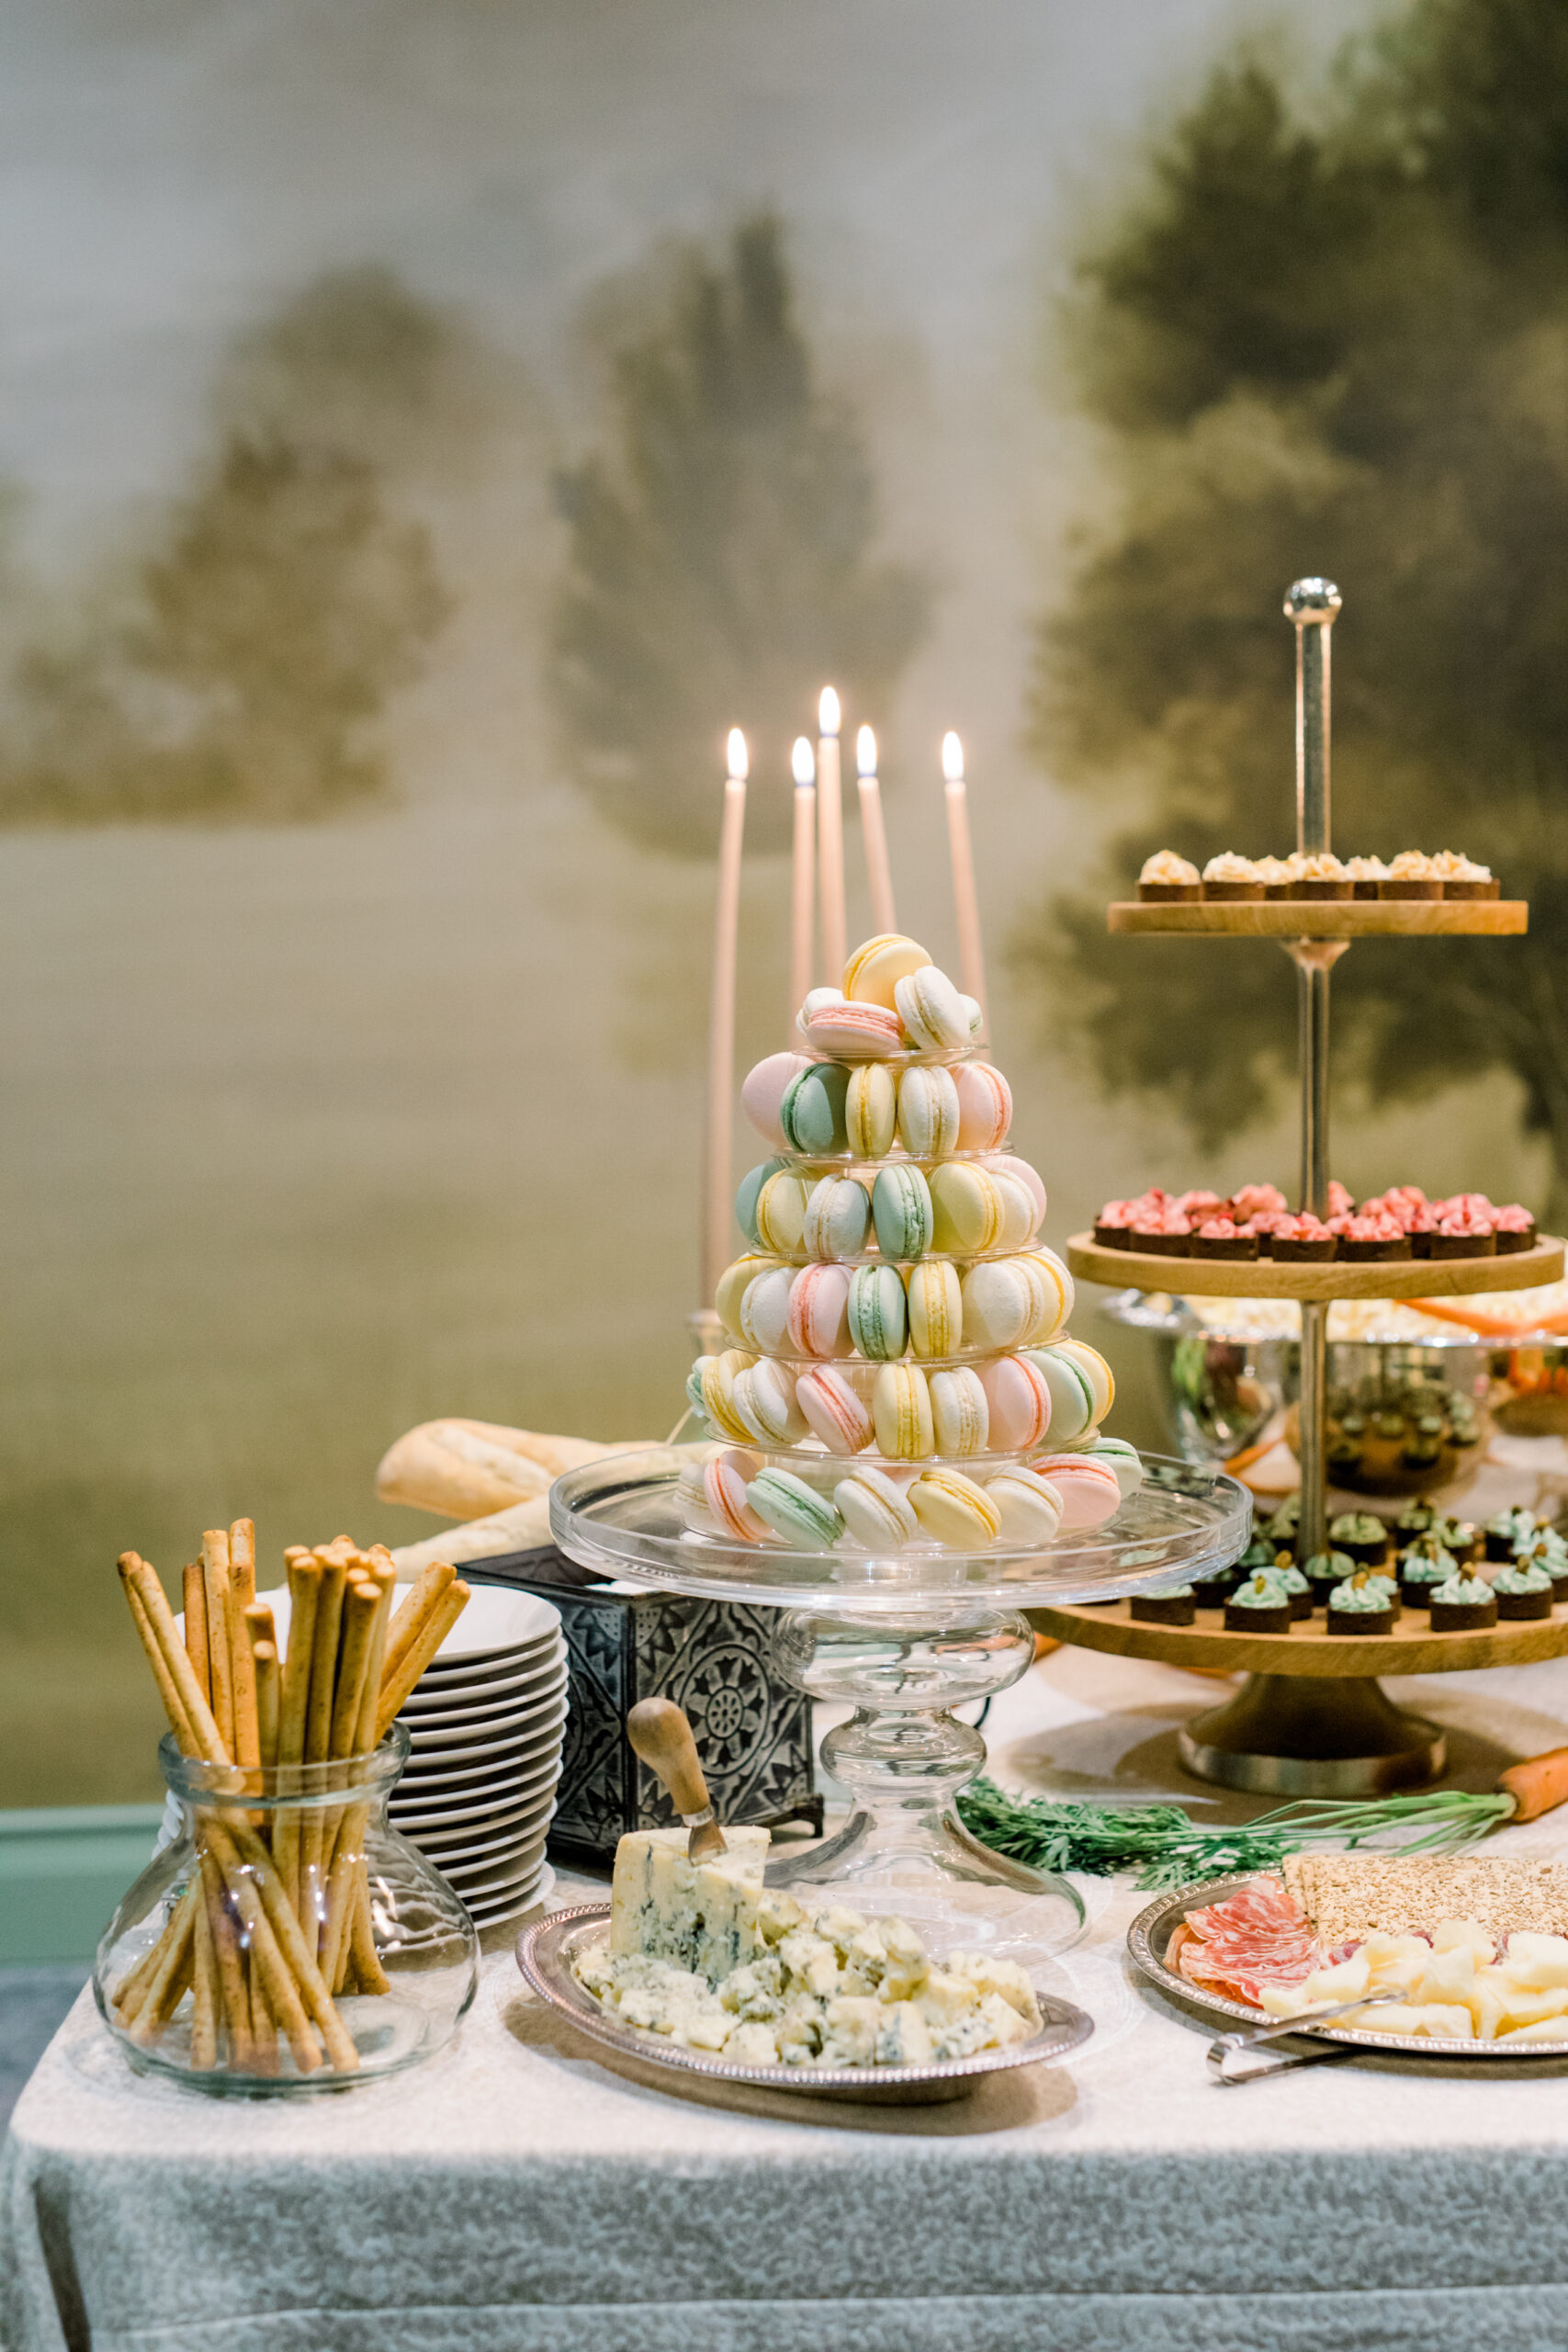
706, 1956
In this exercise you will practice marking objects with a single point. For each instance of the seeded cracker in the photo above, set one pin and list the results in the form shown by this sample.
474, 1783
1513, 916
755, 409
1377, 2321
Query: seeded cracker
1350, 1896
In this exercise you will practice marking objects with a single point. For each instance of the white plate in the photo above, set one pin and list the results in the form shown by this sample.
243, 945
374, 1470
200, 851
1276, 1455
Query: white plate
462, 1770
539, 1724
496, 1620
494, 1813
526, 1788
483, 1879
438, 1682
523, 1707
465, 1847
520, 1779
427, 1705
486, 1915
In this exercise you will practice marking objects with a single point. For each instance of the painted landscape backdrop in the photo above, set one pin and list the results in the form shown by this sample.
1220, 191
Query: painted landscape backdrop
424, 433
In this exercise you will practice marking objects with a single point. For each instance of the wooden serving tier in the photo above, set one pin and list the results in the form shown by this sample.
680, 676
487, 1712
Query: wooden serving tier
1311, 1719
1322, 918
1264, 1278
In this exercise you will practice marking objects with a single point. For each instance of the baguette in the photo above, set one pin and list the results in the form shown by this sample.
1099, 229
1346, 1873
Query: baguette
470, 1469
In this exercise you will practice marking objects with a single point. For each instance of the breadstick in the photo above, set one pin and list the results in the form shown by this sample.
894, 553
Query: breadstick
341, 1884
304, 1588
264, 1658
162, 1992
264, 2024
204, 2011
215, 1570
195, 1626
190, 1716
372, 1976
261, 1880
283, 1992
359, 1609
419, 1601
323, 1668
242, 1562
350, 1828
228, 1961
243, 1673
131, 1991
396, 1687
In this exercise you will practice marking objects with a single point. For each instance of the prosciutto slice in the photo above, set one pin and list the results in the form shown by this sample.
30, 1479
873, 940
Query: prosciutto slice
1258, 1936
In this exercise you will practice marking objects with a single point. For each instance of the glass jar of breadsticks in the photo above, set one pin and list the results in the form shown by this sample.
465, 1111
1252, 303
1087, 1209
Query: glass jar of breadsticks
288, 1940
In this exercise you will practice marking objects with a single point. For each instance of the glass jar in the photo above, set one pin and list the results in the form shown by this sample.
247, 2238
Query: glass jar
288, 1940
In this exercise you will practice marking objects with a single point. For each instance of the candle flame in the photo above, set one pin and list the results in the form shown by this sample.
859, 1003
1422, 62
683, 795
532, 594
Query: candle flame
865, 753
827, 712
953, 759
740, 763
803, 760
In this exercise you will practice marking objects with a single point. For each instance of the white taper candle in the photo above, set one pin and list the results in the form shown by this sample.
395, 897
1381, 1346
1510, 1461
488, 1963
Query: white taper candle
879, 873
830, 840
718, 1174
801, 905
967, 906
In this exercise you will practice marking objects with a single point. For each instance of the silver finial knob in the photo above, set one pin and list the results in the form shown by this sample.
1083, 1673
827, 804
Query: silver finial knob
1311, 603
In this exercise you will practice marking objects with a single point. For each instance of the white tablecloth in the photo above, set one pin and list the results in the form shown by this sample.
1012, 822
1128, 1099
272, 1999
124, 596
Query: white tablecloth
522, 2191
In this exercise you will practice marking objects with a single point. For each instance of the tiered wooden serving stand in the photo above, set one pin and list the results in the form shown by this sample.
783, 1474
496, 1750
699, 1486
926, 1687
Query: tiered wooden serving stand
1311, 1719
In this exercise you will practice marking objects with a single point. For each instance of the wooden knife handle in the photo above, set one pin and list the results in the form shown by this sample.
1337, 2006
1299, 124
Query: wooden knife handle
658, 1731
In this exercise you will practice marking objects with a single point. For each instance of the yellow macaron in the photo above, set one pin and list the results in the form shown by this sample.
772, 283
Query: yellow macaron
936, 1309
901, 1409
877, 966
954, 1510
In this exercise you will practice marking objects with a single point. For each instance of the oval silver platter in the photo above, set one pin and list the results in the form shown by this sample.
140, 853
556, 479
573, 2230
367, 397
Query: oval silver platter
545, 1955
1148, 1939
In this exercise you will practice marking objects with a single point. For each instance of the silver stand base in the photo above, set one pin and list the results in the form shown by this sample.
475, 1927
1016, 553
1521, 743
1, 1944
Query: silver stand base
1294, 1735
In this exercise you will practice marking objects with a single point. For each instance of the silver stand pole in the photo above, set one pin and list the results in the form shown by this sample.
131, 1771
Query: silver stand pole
1312, 605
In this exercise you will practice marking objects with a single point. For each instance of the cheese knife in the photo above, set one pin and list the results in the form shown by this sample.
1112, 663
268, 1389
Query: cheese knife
662, 1735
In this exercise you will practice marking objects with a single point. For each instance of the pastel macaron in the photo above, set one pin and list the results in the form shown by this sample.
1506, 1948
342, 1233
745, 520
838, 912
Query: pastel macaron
932, 1010
1019, 1397
1125, 1459
902, 1211
733, 1284
833, 1411
811, 1113
860, 1032
966, 1211
763, 1398
901, 1409
961, 1416
1072, 1393
928, 1113
1060, 1295
763, 1091
781, 1211
719, 1375
936, 1309
1005, 1300
875, 1510
878, 1313
985, 1105
1016, 1225
725, 1483
837, 1217
875, 971
871, 1111
794, 1510
1095, 1369
818, 1311
764, 1311
1090, 1492
1007, 1163
954, 1510
748, 1192
1029, 1508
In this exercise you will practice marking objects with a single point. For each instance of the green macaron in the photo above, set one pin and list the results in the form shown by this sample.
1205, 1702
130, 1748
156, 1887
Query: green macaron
793, 1510
878, 1313
812, 1111
747, 1195
901, 1211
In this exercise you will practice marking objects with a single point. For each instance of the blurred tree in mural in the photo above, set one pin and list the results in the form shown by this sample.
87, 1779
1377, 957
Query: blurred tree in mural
237, 666
1334, 342
721, 564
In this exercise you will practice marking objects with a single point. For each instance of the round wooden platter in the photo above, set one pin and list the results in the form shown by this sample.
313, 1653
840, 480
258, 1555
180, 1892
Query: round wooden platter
1308, 1648
1263, 1278
1322, 918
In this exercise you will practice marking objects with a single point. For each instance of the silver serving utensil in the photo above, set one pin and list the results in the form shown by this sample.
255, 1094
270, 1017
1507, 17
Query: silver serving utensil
658, 1731
1228, 2046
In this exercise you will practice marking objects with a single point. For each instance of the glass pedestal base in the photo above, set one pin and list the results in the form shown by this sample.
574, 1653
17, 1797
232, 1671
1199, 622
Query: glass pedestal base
904, 1755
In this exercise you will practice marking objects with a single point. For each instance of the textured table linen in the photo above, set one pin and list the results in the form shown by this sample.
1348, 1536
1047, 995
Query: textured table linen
522, 2191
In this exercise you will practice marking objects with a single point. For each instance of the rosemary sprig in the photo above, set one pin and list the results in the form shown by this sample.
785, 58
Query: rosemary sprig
1167, 1847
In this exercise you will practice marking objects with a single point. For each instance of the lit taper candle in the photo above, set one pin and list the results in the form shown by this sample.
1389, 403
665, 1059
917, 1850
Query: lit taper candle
718, 1173
804, 887
967, 906
830, 839
879, 874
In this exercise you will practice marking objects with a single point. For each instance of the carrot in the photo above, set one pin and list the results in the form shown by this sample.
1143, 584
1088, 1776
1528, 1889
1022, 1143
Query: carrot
1538, 1784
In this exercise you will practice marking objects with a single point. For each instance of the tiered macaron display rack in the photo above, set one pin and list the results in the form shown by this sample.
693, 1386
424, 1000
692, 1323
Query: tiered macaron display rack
901, 1448
1311, 1719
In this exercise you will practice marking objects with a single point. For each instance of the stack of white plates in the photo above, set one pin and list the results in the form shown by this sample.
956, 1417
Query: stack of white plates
486, 1723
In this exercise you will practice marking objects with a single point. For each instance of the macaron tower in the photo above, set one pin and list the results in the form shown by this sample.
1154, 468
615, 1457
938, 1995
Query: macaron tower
899, 1373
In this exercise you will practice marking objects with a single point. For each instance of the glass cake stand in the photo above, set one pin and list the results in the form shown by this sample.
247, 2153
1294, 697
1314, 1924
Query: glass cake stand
903, 1640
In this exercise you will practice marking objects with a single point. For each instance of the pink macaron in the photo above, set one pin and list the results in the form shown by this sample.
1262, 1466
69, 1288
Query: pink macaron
833, 1410
763, 1089
1019, 1399
1090, 1490
985, 1106
854, 1032
819, 1311
724, 1491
